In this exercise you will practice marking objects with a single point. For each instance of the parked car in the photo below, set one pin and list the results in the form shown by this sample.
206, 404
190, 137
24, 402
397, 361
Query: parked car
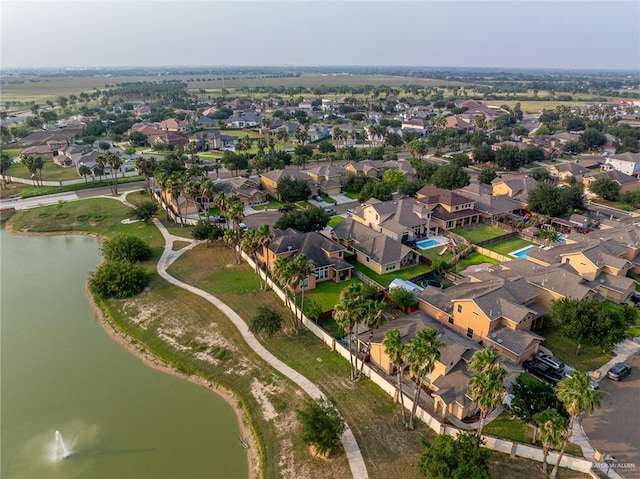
285, 209
552, 361
542, 371
331, 211
318, 198
243, 227
618, 371
217, 219
507, 401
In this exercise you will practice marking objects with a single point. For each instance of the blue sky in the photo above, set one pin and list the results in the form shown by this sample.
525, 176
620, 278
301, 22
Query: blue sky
520, 34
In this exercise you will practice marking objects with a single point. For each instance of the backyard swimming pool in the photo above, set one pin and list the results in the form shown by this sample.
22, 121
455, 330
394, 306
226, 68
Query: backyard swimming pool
431, 243
521, 253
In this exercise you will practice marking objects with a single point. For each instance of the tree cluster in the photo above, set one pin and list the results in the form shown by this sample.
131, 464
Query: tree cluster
305, 220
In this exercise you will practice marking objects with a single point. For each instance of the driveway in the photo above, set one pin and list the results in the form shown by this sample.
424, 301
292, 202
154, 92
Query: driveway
614, 429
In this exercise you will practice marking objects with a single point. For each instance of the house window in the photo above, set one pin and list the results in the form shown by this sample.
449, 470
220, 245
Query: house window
367, 259
322, 273
304, 284
390, 267
450, 320
459, 308
469, 333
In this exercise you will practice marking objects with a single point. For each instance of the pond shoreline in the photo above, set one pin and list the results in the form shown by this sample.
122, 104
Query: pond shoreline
247, 435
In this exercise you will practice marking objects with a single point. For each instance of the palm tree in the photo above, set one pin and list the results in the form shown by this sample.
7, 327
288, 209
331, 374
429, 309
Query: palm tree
578, 397
29, 162
422, 352
345, 315
484, 360
487, 390
394, 348
175, 188
38, 163
303, 268
283, 270
265, 236
114, 163
84, 171
5, 164
250, 242
207, 191
373, 318
553, 432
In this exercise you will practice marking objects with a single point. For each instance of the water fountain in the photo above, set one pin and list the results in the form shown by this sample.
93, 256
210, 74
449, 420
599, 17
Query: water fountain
60, 447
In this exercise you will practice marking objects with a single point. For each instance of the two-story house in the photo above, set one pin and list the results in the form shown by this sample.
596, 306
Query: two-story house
403, 220
325, 255
329, 178
627, 163
516, 186
247, 189
497, 312
270, 179
448, 209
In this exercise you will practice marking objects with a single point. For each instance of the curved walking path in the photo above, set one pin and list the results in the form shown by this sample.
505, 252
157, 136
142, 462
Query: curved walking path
352, 450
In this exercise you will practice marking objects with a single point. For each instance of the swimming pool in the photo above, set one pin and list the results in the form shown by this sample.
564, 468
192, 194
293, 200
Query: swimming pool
521, 253
426, 244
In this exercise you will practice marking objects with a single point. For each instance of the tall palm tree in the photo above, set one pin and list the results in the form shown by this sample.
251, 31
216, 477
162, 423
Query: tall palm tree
374, 317
303, 269
207, 192
345, 315
38, 163
175, 188
422, 352
84, 171
578, 397
250, 242
265, 236
114, 163
486, 389
394, 348
552, 428
283, 270
5, 164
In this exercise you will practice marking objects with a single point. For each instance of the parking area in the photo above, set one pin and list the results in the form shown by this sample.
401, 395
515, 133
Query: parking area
614, 429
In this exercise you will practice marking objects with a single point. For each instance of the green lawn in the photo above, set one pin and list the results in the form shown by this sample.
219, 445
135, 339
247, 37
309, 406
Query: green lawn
327, 294
328, 199
479, 233
335, 221
507, 246
30, 191
351, 194
50, 172
386, 279
99, 216
589, 359
11, 152
434, 253
472, 259
273, 204
613, 204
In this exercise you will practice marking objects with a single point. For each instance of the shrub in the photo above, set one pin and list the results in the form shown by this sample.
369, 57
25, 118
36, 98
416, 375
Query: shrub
124, 247
322, 426
266, 320
118, 279
146, 210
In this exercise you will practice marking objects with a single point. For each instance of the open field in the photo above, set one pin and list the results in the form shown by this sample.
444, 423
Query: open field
50, 172
53, 87
534, 107
480, 232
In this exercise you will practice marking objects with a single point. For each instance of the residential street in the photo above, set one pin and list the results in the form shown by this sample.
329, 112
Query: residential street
614, 429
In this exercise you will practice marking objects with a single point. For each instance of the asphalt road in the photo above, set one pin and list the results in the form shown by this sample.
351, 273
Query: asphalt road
614, 428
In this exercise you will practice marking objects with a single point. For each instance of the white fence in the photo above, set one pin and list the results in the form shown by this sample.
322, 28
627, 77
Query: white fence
491, 442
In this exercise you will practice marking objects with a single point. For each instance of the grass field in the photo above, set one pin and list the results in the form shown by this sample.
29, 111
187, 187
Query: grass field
479, 233
473, 259
507, 246
589, 359
50, 172
534, 108
385, 279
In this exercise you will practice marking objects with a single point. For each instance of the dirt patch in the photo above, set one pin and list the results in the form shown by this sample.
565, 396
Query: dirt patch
262, 392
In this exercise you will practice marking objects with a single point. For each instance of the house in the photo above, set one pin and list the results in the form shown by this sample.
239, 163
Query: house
375, 250
449, 379
603, 263
325, 255
62, 135
214, 140
328, 178
317, 133
244, 119
371, 168
563, 171
306, 104
270, 179
206, 122
448, 209
627, 163
140, 111
496, 312
167, 138
489, 206
549, 144
247, 189
45, 151
459, 122
516, 186
626, 182
171, 124
328, 105
70, 155
402, 220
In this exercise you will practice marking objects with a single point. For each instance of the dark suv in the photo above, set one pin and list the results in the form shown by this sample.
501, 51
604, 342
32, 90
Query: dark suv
542, 371
285, 209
